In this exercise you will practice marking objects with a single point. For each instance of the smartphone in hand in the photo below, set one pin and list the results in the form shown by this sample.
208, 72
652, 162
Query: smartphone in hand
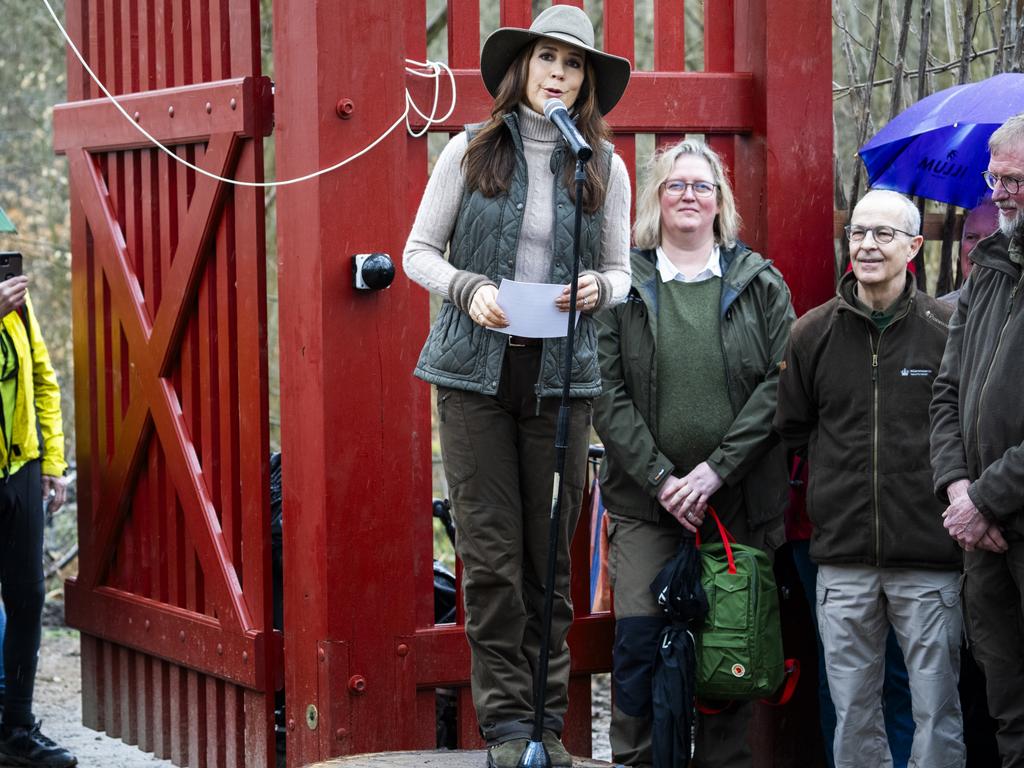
10, 265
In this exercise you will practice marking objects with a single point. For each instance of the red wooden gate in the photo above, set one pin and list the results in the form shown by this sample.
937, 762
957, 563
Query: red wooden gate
363, 657
178, 654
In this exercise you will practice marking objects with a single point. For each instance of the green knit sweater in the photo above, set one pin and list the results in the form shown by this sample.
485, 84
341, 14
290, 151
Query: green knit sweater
694, 411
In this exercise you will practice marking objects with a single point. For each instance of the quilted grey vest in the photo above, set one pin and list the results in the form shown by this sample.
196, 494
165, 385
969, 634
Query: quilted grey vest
460, 354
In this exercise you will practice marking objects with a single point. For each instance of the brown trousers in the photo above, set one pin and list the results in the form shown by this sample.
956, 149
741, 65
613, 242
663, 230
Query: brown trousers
499, 459
993, 597
638, 550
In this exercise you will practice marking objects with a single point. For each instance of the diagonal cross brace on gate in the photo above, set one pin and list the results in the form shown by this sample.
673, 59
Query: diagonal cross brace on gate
81, 129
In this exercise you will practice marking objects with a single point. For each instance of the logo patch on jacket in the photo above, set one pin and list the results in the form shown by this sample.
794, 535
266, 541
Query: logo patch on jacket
916, 372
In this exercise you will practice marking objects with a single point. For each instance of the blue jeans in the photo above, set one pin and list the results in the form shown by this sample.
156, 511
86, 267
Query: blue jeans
899, 720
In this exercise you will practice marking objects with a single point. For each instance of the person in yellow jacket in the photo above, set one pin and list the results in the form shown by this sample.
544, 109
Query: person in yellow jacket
31, 475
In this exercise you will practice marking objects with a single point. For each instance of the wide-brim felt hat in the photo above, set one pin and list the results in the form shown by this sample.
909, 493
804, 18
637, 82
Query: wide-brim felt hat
567, 24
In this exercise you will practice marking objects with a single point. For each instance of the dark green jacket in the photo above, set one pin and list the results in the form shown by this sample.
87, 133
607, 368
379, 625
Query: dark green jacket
977, 429
858, 399
460, 354
755, 318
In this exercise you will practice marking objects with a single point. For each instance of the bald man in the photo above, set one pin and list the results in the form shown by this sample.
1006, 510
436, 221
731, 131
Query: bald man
855, 390
980, 222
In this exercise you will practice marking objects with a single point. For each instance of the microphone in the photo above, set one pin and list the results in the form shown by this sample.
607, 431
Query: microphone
555, 111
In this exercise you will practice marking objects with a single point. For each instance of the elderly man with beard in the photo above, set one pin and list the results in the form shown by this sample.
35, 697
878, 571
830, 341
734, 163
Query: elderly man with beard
977, 443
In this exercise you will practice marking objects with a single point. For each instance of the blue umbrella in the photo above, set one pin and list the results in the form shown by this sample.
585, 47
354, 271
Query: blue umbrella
938, 147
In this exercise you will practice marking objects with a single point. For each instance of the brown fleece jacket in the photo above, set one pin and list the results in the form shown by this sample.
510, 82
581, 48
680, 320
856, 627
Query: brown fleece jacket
858, 399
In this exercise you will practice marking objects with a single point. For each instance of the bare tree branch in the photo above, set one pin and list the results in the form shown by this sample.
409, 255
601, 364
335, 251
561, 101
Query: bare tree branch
965, 52
1004, 34
923, 86
987, 12
894, 18
839, 189
838, 91
851, 66
901, 54
945, 280
842, 24
950, 45
1018, 46
926, 34
437, 23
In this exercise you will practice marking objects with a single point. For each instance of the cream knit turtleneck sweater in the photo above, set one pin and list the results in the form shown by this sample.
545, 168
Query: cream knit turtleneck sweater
424, 260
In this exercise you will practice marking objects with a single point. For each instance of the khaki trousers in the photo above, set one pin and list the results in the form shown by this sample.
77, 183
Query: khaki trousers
638, 550
856, 606
499, 459
994, 604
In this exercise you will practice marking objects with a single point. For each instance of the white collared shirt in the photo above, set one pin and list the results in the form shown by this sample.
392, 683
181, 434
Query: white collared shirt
670, 272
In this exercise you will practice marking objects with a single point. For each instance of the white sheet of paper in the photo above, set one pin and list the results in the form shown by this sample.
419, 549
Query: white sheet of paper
531, 310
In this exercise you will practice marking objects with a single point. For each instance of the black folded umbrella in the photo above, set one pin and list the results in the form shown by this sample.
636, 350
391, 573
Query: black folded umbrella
678, 590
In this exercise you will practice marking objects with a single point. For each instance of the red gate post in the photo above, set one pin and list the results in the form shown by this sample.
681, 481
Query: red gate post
784, 173
786, 196
355, 424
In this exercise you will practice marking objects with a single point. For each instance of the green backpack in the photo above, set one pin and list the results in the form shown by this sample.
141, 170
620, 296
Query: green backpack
739, 648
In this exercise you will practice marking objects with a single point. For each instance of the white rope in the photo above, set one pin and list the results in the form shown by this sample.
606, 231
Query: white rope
435, 67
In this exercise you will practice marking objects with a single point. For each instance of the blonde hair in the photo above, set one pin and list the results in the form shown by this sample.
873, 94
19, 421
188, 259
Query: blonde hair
647, 230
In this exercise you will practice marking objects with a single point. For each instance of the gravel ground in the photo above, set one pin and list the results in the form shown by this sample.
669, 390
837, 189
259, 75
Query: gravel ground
58, 702
600, 715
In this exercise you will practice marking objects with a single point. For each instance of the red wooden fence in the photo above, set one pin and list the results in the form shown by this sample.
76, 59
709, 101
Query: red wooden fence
171, 380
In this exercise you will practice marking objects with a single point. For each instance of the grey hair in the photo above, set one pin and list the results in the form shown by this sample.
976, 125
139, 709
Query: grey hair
1009, 133
911, 216
647, 230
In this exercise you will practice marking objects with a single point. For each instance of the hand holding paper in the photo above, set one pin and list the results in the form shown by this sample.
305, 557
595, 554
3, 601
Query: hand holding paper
587, 294
531, 309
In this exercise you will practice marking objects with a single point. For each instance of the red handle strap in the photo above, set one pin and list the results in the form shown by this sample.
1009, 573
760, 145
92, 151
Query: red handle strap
788, 687
727, 540
705, 709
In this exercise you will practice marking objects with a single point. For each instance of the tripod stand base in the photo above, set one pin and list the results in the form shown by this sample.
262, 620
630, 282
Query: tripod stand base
476, 758
535, 756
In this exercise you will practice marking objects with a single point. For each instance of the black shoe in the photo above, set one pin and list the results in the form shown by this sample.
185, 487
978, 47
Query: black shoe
27, 746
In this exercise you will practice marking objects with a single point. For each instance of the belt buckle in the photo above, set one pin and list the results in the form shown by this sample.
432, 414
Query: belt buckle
514, 342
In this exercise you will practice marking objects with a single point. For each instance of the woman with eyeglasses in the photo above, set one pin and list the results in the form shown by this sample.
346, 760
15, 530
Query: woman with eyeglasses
500, 204
690, 365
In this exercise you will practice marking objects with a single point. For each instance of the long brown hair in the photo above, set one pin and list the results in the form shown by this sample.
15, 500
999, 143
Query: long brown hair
490, 157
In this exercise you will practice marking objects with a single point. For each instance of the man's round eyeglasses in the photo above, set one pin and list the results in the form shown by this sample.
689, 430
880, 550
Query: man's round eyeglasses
1010, 184
678, 188
882, 235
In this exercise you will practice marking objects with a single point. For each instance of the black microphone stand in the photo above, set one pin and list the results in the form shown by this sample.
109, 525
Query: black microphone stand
536, 754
